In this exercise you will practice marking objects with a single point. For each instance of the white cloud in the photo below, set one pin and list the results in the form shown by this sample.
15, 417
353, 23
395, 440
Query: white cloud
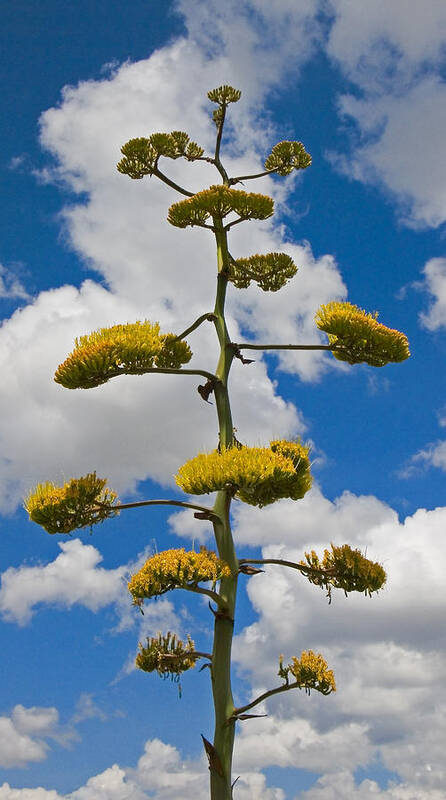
22, 735
394, 55
401, 149
387, 652
10, 285
74, 577
435, 284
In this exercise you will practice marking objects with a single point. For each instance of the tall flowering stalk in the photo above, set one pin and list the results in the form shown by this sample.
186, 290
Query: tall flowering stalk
255, 475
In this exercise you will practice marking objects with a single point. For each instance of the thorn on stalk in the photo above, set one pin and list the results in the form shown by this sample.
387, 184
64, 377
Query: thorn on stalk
246, 569
237, 354
213, 757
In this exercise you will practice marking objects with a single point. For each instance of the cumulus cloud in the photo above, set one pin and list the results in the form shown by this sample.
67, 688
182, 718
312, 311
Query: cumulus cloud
387, 652
160, 774
394, 55
435, 284
23, 733
74, 577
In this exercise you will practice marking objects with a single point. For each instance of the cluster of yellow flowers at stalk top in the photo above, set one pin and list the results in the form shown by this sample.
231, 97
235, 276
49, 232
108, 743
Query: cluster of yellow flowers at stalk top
130, 349
310, 672
259, 475
166, 655
344, 568
358, 336
79, 503
174, 569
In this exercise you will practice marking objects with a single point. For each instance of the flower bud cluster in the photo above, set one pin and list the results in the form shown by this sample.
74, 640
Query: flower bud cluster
174, 569
166, 655
358, 336
141, 155
219, 201
270, 271
79, 503
258, 475
286, 156
310, 671
130, 349
344, 568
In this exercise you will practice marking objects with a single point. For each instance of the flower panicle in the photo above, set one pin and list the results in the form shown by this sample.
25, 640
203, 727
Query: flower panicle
271, 271
176, 569
79, 503
141, 155
130, 349
287, 156
357, 336
310, 671
167, 655
344, 568
258, 475
219, 201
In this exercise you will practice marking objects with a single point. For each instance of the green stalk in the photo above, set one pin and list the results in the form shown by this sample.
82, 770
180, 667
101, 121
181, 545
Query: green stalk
221, 766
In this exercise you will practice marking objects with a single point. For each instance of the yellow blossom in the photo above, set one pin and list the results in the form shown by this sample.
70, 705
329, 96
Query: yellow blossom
77, 504
310, 672
344, 568
218, 201
174, 569
130, 349
259, 475
166, 655
358, 336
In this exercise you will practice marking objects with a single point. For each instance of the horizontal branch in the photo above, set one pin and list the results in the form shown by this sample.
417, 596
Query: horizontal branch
140, 503
209, 316
292, 564
200, 590
241, 178
285, 346
264, 696
187, 654
171, 371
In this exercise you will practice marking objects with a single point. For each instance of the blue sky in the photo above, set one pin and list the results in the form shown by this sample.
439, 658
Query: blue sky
362, 85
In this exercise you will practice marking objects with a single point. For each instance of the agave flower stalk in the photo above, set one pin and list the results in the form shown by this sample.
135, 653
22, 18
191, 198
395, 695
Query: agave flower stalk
254, 475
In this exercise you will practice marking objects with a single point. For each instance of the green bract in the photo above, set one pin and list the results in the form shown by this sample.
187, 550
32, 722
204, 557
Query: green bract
270, 271
141, 155
130, 349
345, 568
79, 503
286, 156
358, 336
219, 201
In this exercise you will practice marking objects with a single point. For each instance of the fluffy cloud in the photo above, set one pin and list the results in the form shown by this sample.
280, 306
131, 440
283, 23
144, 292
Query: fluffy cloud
23, 733
160, 774
74, 577
394, 55
387, 652
435, 284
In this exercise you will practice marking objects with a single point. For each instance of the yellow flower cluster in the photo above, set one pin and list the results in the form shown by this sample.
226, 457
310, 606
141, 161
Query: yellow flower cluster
310, 671
76, 504
345, 569
166, 655
218, 201
141, 155
359, 336
174, 569
130, 349
286, 156
270, 271
260, 475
